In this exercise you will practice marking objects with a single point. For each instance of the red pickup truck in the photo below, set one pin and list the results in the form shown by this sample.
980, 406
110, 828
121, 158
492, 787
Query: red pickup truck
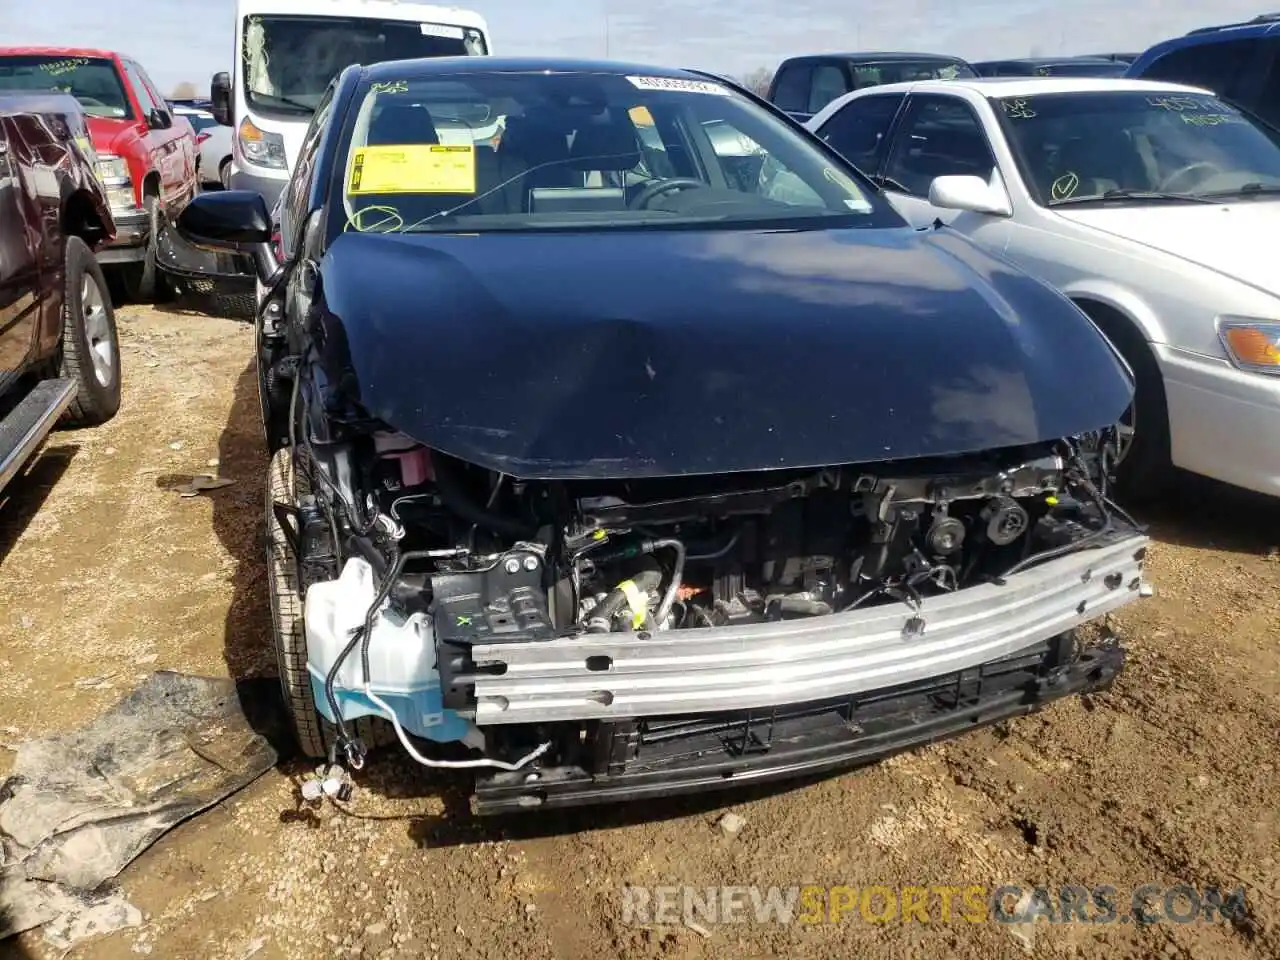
146, 156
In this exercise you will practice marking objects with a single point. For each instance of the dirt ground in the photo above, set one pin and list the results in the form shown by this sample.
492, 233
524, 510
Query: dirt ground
106, 573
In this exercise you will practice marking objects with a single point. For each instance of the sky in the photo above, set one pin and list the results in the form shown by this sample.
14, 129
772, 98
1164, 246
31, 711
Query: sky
189, 40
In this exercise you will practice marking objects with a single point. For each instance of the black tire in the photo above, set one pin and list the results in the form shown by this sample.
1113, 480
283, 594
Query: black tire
224, 174
313, 732
143, 282
1146, 469
90, 343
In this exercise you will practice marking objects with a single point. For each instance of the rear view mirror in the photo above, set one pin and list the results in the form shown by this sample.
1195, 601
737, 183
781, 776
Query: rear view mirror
159, 119
220, 98
969, 193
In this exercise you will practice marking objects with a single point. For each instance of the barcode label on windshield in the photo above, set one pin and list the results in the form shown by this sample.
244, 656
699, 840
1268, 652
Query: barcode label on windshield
679, 85
440, 30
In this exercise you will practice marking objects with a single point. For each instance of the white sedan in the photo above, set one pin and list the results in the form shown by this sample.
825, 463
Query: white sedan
1154, 206
213, 142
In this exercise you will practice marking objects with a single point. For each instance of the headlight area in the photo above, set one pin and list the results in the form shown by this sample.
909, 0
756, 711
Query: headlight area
113, 171
576, 641
259, 147
1252, 344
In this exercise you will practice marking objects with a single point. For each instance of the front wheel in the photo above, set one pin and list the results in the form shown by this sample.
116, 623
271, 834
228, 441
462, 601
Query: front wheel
90, 344
287, 486
1145, 466
143, 282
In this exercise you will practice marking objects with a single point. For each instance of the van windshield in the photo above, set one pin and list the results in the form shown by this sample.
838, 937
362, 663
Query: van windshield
91, 80
288, 61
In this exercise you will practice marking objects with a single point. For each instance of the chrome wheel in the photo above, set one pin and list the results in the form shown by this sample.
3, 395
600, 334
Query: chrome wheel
224, 175
97, 330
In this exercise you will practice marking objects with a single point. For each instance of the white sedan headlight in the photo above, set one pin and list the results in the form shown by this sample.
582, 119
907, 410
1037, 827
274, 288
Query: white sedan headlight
1252, 344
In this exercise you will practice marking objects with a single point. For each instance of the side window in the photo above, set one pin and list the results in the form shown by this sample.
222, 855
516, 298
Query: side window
293, 210
1268, 104
939, 136
858, 130
791, 90
152, 90
1216, 66
828, 83
145, 100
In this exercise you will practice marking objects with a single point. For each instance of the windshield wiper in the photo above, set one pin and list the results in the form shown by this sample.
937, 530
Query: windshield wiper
282, 101
1246, 190
1133, 195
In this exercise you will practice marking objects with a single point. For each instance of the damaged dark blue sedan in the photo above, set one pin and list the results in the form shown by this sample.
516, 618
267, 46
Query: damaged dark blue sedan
627, 443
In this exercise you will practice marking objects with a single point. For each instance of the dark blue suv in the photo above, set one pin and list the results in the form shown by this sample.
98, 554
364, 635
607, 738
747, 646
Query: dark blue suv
1238, 61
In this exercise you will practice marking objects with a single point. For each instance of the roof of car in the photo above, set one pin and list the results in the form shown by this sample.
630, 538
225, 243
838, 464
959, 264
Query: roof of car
1028, 86
471, 66
1043, 61
61, 52
1220, 33
876, 55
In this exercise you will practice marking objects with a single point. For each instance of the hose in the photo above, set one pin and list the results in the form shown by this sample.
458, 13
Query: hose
453, 492
677, 577
602, 614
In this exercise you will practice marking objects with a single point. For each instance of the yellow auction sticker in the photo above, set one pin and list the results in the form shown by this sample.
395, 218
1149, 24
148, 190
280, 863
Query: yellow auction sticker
414, 168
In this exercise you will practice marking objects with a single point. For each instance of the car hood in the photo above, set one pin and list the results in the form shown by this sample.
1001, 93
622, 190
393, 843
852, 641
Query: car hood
669, 352
1235, 239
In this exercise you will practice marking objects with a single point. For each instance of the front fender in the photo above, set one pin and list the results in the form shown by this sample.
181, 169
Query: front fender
1120, 299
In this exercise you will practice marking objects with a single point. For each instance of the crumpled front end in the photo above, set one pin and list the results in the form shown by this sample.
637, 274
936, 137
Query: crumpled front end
577, 641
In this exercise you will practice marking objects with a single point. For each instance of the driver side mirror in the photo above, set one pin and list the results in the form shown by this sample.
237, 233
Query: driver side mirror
230, 221
970, 193
220, 98
159, 119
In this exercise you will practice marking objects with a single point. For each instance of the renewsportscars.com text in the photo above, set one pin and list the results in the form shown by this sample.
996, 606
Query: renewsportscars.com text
935, 903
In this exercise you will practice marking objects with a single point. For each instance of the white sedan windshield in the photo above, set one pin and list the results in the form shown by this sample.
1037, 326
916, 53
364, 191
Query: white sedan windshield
1076, 147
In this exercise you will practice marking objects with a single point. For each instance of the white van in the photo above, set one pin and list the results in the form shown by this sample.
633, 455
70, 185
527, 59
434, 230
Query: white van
287, 51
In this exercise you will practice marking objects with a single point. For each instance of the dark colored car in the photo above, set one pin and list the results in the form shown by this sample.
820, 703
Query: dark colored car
59, 355
608, 472
804, 85
1238, 61
1051, 67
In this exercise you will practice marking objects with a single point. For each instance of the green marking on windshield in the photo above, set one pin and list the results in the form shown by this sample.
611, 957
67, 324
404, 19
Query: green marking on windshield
1017, 109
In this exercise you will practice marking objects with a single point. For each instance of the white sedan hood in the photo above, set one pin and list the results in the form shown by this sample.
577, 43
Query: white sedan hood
1235, 239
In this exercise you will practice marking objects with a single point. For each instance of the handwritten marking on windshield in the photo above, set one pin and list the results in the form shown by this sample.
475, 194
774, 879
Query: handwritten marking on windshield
1065, 186
390, 86
1210, 119
1181, 104
58, 67
1017, 109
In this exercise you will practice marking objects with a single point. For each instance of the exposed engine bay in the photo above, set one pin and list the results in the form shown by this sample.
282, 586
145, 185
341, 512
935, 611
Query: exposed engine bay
420, 569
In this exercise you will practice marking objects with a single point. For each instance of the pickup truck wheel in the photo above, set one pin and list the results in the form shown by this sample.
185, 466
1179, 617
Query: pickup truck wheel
224, 174
143, 282
90, 344
314, 733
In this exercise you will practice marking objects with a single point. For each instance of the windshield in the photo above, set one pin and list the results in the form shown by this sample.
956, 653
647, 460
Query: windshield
873, 74
289, 60
512, 151
91, 80
1077, 147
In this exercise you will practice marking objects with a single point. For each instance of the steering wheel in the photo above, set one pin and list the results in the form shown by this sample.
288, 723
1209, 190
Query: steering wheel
661, 188
1211, 168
